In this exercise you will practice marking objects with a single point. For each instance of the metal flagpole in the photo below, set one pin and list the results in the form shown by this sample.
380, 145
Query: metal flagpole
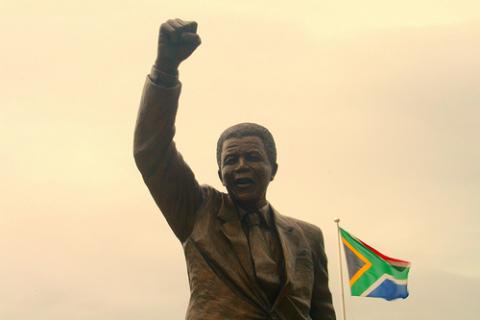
337, 221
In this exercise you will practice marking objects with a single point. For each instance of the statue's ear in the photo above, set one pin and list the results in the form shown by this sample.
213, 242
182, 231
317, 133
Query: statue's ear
220, 175
274, 170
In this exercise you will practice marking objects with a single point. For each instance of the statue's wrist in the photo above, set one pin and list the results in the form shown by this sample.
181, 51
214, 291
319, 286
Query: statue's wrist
166, 66
163, 78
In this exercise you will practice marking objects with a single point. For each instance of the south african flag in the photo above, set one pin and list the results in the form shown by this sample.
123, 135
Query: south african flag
373, 274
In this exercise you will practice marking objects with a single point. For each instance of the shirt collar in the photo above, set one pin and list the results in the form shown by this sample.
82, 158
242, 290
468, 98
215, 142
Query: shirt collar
264, 213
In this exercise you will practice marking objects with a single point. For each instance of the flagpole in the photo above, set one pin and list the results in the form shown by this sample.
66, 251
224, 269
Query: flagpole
337, 221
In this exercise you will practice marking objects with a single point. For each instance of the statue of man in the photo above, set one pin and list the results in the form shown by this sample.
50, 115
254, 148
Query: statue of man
244, 259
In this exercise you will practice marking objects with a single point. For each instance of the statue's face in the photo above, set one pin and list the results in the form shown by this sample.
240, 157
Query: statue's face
246, 171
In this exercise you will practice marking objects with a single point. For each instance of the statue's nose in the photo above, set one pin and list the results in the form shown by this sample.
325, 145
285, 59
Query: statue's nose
241, 164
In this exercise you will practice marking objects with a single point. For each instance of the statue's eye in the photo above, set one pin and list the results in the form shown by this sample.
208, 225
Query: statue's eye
254, 156
229, 160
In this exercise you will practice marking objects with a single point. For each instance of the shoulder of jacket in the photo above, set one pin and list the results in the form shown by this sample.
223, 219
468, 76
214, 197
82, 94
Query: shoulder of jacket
312, 233
307, 228
210, 194
212, 199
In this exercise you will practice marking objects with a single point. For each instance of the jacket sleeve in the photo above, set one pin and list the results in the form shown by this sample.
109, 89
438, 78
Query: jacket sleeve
169, 179
321, 304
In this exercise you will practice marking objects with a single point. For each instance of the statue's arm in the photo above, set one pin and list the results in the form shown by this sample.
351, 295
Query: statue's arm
321, 304
169, 179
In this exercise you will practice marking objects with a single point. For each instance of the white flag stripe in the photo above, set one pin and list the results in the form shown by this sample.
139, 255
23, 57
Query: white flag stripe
377, 283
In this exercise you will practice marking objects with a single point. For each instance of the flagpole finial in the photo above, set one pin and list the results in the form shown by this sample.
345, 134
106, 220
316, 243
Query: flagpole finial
337, 220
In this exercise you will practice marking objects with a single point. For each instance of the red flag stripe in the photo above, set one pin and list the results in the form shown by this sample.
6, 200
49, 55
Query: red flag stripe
393, 261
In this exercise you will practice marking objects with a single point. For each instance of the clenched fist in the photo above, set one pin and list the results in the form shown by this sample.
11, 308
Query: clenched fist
176, 41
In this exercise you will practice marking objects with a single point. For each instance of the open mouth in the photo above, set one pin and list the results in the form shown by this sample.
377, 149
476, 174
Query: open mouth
244, 182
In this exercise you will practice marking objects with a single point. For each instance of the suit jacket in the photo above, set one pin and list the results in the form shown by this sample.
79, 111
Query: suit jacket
220, 270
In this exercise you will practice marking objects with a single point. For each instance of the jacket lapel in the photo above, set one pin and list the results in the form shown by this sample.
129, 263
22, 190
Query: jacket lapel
224, 247
231, 228
289, 239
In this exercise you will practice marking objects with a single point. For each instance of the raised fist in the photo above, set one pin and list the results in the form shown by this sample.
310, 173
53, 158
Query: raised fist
176, 41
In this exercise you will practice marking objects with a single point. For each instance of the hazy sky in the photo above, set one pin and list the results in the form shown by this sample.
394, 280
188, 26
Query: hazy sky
375, 107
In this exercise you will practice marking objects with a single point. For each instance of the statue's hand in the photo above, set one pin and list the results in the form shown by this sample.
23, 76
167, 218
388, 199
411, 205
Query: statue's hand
176, 42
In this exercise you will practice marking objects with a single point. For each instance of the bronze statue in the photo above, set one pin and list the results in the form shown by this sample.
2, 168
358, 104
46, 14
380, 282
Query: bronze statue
244, 259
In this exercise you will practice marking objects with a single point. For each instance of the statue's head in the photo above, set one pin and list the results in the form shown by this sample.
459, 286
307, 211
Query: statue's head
247, 162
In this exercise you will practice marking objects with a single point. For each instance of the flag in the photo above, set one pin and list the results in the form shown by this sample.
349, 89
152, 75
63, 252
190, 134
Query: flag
373, 274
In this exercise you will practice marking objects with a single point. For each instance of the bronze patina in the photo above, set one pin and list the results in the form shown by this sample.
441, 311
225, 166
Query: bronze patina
244, 259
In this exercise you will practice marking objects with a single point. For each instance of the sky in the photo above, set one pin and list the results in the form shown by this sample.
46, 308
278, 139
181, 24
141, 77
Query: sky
374, 105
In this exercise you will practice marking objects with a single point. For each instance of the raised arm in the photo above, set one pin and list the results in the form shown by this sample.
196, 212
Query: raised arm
169, 179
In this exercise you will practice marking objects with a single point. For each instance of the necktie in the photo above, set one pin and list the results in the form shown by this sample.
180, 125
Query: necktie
266, 269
